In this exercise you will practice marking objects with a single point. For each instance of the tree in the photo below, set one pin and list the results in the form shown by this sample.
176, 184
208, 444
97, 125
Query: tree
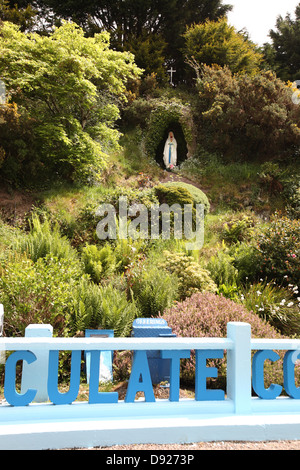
217, 42
149, 53
246, 117
68, 90
284, 52
24, 17
126, 20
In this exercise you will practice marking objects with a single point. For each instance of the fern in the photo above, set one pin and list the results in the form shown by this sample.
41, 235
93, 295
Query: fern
101, 307
155, 291
43, 240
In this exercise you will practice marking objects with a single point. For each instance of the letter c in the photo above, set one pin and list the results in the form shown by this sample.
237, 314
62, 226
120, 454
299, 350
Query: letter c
289, 374
258, 375
11, 395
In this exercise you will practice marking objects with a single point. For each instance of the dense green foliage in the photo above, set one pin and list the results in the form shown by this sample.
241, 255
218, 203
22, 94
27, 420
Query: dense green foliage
245, 117
25, 17
151, 29
217, 42
191, 277
186, 194
66, 88
279, 247
283, 52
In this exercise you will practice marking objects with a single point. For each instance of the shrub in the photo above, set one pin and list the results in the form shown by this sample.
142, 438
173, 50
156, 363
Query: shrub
173, 195
221, 269
270, 176
239, 228
206, 315
138, 112
291, 195
181, 193
98, 262
246, 117
71, 134
88, 219
274, 304
38, 292
279, 248
134, 196
192, 278
8, 236
246, 259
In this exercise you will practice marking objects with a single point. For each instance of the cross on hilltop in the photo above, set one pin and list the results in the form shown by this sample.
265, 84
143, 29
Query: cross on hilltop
171, 71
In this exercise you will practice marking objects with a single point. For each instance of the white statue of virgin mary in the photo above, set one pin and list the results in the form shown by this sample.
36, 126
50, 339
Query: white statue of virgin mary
170, 151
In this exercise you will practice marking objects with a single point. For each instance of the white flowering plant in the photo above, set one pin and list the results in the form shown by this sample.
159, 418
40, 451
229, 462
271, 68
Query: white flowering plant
280, 306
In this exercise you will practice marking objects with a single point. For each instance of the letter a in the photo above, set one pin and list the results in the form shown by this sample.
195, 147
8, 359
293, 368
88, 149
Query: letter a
140, 368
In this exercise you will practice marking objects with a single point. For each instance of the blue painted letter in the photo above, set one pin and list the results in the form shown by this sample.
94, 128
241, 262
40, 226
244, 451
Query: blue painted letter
54, 395
289, 374
175, 357
94, 395
12, 397
258, 382
202, 373
140, 369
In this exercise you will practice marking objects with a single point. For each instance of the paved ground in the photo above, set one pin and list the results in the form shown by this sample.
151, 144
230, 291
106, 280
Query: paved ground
280, 445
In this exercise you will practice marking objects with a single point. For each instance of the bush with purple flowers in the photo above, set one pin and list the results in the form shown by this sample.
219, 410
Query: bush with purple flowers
206, 315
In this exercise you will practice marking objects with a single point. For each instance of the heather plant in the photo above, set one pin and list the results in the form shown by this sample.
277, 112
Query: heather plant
122, 365
206, 314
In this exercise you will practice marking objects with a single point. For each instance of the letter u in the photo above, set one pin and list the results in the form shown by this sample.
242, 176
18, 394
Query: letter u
54, 395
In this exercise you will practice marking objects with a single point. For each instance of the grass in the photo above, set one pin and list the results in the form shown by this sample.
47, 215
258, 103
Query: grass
231, 186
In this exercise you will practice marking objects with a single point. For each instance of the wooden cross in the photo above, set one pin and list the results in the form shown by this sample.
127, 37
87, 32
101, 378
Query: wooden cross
171, 71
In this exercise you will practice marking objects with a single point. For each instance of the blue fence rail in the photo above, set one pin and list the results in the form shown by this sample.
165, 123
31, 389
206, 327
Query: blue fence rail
39, 416
39, 353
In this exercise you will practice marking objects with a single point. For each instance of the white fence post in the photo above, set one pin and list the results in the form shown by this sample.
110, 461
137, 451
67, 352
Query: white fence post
35, 375
239, 367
